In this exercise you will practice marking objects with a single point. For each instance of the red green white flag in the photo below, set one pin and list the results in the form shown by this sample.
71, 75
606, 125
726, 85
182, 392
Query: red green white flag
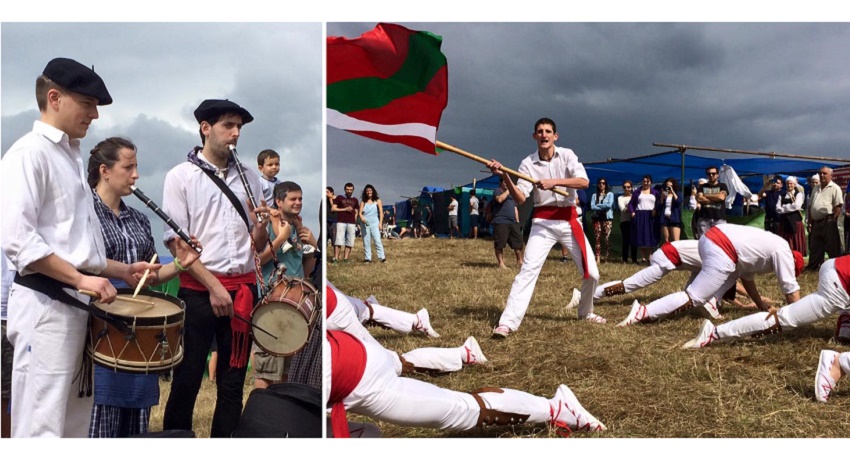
389, 84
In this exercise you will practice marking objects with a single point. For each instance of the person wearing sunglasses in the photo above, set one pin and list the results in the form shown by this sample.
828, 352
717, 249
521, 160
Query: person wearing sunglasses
711, 197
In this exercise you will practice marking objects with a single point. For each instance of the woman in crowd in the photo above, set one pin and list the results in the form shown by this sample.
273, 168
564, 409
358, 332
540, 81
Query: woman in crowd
642, 208
626, 223
371, 214
601, 203
789, 207
123, 401
671, 216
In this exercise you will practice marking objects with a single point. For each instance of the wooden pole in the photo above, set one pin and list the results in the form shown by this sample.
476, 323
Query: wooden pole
471, 156
683, 147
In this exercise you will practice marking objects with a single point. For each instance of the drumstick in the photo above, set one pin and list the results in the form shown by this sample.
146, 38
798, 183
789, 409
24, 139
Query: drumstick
239, 317
120, 298
144, 277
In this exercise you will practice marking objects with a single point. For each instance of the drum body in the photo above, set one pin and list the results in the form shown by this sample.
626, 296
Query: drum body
287, 312
842, 327
152, 340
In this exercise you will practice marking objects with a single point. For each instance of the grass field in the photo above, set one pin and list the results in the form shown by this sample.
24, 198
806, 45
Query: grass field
636, 380
204, 406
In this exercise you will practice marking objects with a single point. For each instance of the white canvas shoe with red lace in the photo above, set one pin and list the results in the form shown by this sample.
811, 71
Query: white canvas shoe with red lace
423, 324
637, 314
474, 355
566, 413
501, 331
707, 334
823, 379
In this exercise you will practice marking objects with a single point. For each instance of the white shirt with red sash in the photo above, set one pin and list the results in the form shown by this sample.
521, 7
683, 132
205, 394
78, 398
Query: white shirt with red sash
555, 221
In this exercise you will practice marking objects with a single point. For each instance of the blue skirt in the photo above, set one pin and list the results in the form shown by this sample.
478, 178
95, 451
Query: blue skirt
644, 232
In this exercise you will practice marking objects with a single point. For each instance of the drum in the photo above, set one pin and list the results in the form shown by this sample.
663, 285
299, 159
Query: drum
151, 339
842, 327
287, 312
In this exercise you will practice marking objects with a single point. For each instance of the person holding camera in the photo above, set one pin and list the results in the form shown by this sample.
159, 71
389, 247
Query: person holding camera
671, 217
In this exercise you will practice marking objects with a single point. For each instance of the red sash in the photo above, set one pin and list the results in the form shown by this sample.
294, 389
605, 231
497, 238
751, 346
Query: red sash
243, 304
671, 253
720, 239
567, 214
348, 362
330, 302
842, 266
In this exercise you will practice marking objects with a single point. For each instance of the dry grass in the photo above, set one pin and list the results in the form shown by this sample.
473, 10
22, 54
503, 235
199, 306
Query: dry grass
636, 380
204, 406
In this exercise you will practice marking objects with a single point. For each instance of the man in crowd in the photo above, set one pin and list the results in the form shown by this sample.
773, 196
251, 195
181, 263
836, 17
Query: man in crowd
822, 217
223, 284
346, 208
712, 199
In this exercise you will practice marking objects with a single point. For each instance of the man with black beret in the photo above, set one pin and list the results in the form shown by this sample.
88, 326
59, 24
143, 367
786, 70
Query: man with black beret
223, 283
51, 235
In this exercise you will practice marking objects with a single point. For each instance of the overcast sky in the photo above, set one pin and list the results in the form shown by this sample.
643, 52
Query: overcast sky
613, 89
157, 75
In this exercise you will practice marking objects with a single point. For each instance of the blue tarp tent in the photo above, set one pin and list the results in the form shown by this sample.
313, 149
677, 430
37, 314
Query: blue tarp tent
669, 164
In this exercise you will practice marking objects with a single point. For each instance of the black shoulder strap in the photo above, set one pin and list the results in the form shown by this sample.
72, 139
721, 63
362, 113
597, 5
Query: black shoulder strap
230, 195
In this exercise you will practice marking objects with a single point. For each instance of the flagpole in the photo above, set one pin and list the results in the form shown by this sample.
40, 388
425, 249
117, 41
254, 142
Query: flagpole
483, 160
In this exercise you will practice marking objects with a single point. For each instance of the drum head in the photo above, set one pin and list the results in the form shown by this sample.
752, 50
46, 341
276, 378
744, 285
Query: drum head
160, 305
284, 320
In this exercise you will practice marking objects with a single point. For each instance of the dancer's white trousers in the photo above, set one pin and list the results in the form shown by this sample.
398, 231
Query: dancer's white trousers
545, 233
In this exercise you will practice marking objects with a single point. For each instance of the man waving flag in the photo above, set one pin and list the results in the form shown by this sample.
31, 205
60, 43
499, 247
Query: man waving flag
390, 84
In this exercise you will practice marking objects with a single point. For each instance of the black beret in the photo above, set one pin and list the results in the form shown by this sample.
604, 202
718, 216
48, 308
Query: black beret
73, 76
212, 108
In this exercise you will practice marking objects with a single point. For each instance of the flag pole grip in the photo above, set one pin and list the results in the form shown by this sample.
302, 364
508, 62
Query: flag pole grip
483, 160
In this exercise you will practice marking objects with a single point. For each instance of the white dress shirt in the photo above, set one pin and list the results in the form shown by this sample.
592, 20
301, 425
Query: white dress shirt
564, 164
47, 204
761, 252
197, 205
797, 204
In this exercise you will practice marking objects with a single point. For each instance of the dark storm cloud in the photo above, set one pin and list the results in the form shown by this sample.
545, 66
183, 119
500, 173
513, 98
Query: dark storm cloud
614, 89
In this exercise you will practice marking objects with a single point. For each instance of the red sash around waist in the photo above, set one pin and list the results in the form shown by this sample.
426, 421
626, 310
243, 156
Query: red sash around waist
671, 253
842, 266
567, 214
243, 304
720, 239
348, 362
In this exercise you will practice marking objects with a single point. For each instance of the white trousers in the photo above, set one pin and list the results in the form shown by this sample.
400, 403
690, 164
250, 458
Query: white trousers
545, 233
828, 299
383, 395
48, 338
347, 317
395, 320
717, 276
658, 268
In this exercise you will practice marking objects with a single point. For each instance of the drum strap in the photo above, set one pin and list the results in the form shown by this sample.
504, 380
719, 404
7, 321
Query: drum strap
241, 209
55, 290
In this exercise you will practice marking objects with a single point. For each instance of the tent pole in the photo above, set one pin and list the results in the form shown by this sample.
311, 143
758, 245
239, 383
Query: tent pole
750, 152
682, 182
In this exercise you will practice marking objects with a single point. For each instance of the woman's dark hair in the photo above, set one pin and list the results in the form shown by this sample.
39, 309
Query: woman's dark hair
599, 195
673, 181
363, 197
106, 153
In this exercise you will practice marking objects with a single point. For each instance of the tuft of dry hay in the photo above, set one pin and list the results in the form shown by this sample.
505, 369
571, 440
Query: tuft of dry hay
636, 380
